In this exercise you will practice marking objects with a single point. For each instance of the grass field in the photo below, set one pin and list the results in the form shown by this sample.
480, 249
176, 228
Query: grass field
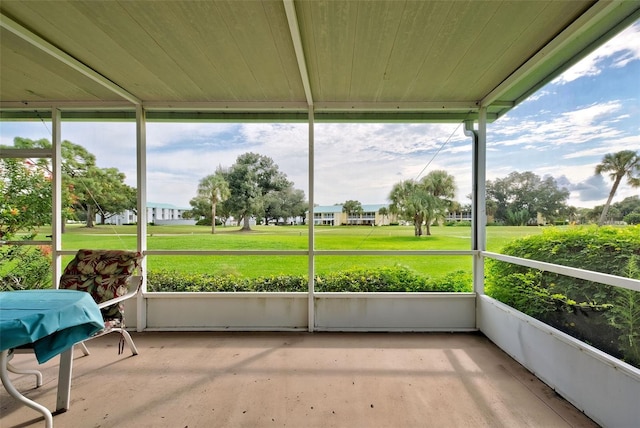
292, 238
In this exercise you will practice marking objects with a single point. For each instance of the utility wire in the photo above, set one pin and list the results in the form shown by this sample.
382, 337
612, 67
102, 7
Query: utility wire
439, 150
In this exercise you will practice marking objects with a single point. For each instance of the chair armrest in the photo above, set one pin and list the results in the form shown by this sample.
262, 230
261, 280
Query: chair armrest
134, 284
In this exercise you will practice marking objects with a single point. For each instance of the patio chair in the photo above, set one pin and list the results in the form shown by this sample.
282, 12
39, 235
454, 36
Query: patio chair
108, 275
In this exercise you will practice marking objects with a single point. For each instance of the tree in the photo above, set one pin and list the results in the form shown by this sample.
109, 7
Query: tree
85, 186
628, 205
250, 179
200, 208
441, 185
518, 198
625, 163
352, 208
425, 201
285, 203
25, 202
100, 191
115, 196
45, 166
384, 212
214, 189
406, 202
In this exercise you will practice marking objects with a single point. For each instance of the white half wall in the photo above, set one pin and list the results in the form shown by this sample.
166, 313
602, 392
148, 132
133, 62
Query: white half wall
395, 311
246, 311
243, 311
603, 387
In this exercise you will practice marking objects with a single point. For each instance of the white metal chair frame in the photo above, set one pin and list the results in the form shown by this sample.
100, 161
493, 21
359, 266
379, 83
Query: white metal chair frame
134, 283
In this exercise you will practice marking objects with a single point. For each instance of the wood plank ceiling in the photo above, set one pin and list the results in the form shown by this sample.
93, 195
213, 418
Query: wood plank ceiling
362, 60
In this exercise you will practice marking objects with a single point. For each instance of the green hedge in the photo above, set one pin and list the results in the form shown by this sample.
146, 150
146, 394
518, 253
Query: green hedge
605, 316
386, 279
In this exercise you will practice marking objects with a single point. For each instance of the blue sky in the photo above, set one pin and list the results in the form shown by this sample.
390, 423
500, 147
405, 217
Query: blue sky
563, 130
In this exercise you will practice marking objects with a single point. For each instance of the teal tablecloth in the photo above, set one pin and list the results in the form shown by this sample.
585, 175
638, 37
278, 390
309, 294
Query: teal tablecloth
51, 320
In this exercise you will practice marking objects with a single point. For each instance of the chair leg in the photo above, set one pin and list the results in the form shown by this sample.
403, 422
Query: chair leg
129, 340
84, 349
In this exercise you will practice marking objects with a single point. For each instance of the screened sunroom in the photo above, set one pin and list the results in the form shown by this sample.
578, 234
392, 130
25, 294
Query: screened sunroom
180, 88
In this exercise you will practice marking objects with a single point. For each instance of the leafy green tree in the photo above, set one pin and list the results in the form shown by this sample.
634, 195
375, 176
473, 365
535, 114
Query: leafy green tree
26, 197
213, 189
200, 208
520, 197
115, 196
25, 205
45, 166
352, 208
625, 163
86, 187
628, 205
100, 191
285, 203
250, 179
632, 218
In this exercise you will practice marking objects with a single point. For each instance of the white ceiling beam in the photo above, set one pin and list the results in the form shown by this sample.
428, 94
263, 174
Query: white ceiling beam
65, 105
37, 41
379, 106
294, 29
25, 153
226, 106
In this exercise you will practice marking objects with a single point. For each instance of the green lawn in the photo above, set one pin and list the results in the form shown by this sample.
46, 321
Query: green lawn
292, 238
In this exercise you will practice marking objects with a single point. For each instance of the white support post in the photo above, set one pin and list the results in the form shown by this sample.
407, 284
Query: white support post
311, 224
141, 168
480, 216
56, 202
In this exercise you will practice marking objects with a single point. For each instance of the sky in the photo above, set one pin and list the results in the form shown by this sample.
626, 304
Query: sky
563, 130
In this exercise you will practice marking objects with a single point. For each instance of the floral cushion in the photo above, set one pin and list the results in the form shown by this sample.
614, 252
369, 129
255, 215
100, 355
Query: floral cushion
103, 274
104, 262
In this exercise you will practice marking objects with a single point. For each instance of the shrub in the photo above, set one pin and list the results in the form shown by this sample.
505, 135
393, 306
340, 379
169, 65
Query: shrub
386, 279
461, 223
568, 303
25, 268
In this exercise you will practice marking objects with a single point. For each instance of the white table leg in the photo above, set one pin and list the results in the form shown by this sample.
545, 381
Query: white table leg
64, 380
4, 376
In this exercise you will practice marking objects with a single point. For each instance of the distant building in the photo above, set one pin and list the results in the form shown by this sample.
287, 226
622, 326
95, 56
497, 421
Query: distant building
332, 215
464, 215
160, 214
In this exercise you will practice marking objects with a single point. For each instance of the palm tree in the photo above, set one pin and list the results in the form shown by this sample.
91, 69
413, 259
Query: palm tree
215, 189
618, 165
352, 209
423, 202
384, 212
405, 203
441, 187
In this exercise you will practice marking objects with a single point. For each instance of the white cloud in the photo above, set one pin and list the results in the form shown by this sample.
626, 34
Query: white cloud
163, 134
609, 146
621, 50
595, 122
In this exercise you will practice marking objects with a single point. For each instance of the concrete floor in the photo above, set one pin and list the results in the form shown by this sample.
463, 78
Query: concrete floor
350, 380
